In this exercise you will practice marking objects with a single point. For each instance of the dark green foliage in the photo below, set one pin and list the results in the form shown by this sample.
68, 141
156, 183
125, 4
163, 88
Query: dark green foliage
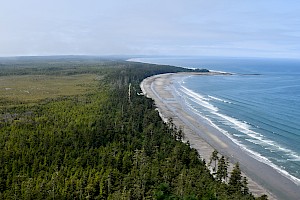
101, 145
263, 197
200, 70
163, 192
238, 183
222, 172
214, 157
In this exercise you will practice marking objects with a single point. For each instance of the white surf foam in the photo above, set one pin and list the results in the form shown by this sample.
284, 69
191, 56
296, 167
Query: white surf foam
199, 99
243, 127
258, 138
218, 99
258, 156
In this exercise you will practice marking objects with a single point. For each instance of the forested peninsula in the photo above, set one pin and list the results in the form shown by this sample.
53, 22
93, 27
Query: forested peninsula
80, 128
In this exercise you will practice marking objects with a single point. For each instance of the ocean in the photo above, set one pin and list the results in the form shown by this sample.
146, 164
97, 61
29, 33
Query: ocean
258, 107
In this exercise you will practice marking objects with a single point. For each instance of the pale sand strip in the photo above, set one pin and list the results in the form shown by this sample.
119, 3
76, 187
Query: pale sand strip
202, 136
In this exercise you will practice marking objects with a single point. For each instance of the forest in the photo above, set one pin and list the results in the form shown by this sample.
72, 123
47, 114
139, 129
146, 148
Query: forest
89, 134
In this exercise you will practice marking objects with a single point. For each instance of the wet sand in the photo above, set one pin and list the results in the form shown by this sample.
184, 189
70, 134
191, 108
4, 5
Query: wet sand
202, 136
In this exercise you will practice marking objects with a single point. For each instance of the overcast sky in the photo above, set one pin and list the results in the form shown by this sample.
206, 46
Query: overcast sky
256, 28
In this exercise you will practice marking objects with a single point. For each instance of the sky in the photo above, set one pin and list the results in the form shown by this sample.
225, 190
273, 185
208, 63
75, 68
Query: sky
235, 28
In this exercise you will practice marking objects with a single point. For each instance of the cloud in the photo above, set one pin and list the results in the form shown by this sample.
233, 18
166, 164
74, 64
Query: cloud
264, 28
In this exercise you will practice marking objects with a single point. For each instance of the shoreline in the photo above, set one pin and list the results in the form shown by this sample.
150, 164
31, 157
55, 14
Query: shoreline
202, 136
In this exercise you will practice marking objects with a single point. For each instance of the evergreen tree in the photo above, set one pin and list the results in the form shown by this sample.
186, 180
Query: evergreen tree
214, 157
245, 186
108, 143
235, 180
222, 171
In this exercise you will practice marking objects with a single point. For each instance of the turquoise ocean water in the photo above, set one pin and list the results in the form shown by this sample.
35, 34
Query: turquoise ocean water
258, 107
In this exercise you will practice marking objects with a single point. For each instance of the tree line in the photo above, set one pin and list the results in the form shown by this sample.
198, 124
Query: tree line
103, 145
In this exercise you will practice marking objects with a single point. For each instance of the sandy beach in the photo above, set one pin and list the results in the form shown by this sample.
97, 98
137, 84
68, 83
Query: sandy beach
202, 136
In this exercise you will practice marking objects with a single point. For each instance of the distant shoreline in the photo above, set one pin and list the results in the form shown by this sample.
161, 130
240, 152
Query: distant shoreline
202, 136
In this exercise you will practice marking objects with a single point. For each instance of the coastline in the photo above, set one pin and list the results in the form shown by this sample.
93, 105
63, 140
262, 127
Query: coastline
202, 136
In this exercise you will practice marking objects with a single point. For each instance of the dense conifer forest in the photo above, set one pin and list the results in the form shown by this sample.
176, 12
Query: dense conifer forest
106, 143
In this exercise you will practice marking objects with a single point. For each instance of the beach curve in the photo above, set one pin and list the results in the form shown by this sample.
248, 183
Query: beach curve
205, 138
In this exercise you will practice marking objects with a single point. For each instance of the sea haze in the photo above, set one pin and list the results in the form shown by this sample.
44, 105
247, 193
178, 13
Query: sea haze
257, 107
